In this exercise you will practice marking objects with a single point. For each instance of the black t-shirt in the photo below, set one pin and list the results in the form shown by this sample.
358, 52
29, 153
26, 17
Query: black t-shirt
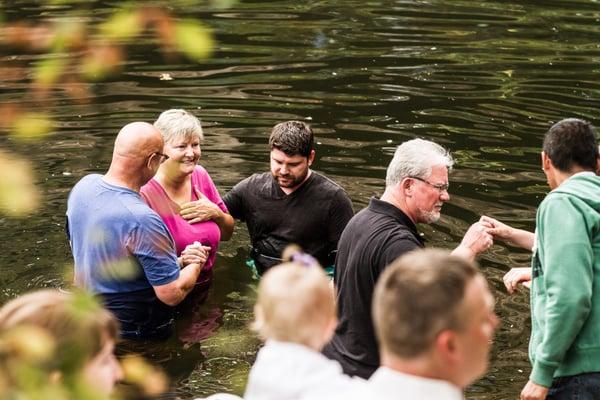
373, 239
313, 216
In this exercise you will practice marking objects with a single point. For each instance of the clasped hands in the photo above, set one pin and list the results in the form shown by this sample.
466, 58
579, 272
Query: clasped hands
194, 253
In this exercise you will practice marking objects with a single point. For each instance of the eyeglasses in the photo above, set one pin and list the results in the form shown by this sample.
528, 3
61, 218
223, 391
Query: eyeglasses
163, 157
441, 187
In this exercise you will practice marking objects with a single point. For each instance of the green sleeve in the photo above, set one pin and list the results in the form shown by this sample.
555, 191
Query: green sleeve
567, 264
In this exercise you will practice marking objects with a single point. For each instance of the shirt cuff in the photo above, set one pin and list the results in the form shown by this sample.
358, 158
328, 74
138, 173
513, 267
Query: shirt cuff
542, 374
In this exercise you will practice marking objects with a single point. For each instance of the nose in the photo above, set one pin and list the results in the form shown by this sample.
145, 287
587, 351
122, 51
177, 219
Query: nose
118, 373
444, 195
283, 169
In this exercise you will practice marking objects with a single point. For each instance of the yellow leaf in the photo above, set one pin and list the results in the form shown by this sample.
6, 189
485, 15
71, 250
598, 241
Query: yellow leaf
49, 71
122, 25
137, 371
18, 194
31, 126
194, 40
508, 72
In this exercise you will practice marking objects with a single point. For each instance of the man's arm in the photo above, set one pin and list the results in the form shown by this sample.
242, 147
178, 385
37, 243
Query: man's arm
173, 293
340, 212
234, 200
517, 237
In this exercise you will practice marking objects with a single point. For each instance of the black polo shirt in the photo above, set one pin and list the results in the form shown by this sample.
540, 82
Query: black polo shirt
373, 238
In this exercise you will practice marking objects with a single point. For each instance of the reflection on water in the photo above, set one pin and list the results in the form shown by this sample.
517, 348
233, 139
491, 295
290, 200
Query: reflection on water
484, 78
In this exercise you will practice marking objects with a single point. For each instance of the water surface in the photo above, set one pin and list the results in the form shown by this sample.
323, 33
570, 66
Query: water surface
483, 78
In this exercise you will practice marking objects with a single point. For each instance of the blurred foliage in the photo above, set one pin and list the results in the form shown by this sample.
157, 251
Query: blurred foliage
29, 371
73, 53
18, 194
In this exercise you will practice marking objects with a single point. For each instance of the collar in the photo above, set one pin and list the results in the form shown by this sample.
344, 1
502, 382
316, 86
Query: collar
387, 380
383, 207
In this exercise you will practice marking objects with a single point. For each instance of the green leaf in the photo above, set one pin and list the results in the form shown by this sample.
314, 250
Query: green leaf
122, 25
18, 194
32, 126
49, 71
194, 40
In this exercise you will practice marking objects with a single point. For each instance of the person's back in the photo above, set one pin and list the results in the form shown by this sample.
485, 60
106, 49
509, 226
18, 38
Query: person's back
565, 300
107, 224
296, 315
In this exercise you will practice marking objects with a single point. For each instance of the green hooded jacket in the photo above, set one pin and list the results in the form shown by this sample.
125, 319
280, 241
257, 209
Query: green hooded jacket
565, 294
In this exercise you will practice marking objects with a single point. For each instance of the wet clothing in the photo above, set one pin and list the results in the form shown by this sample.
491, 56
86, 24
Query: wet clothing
121, 250
565, 292
184, 233
290, 371
374, 237
313, 217
388, 384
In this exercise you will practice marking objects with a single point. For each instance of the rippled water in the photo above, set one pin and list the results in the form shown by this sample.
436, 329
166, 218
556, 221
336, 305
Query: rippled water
483, 78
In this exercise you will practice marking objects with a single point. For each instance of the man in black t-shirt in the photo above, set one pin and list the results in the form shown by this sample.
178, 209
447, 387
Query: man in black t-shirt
291, 203
416, 189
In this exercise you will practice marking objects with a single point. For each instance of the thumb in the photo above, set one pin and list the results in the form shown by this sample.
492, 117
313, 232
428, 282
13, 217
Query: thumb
198, 193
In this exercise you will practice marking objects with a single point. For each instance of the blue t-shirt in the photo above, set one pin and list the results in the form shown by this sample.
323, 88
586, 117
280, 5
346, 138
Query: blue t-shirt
121, 250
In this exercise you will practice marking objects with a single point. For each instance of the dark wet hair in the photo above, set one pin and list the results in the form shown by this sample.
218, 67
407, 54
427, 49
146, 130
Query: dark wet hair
292, 137
572, 142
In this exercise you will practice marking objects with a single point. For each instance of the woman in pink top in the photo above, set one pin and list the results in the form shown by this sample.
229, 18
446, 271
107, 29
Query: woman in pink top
182, 192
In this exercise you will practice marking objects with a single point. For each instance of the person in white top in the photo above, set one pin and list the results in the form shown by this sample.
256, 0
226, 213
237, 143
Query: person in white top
295, 314
434, 319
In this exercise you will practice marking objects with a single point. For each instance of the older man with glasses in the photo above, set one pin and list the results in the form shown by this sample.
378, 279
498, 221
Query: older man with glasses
416, 189
122, 249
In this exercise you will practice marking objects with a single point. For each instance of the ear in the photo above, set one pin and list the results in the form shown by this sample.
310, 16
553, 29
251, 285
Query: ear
446, 346
598, 166
406, 186
546, 162
311, 157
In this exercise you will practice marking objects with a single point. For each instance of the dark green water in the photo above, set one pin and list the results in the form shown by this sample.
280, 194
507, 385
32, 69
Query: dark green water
483, 78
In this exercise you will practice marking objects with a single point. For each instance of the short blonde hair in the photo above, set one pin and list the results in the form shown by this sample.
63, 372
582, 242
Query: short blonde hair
76, 322
295, 304
178, 123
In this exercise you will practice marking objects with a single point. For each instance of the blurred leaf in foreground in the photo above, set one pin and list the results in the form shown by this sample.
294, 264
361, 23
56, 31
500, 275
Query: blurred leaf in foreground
49, 71
101, 62
137, 371
31, 126
193, 39
122, 25
18, 194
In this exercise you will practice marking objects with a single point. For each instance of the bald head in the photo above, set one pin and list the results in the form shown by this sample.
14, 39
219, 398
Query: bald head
135, 159
137, 140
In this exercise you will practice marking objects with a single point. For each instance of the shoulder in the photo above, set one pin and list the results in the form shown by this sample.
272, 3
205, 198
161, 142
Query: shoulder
326, 183
200, 171
87, 181
256, 182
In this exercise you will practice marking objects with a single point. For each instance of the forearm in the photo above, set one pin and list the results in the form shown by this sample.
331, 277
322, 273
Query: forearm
174, 293
225, 223
464, 252
521, 238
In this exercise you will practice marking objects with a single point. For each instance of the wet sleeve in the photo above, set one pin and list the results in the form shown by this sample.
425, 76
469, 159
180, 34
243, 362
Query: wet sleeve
340, 213
234, 201
151, 243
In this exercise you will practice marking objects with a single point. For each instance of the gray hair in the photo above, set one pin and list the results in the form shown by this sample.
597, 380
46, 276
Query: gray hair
178, 123
416, 158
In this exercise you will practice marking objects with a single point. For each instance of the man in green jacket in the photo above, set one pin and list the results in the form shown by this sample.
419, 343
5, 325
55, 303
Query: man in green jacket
565, 294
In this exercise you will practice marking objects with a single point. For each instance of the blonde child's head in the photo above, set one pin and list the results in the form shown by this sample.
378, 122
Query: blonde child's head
295, 304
